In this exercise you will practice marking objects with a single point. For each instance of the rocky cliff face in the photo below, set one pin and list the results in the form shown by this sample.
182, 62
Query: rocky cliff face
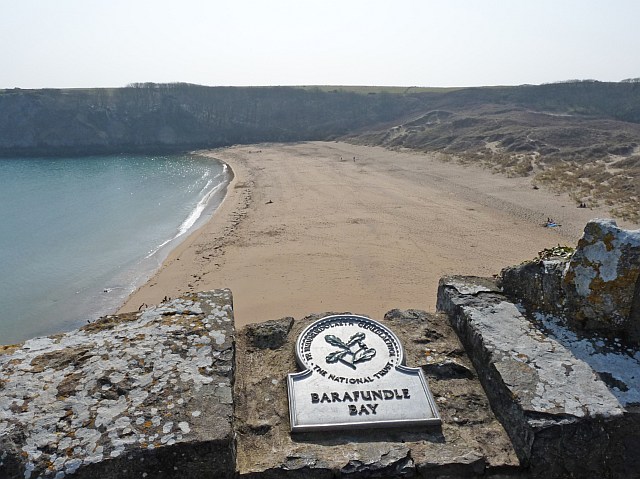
150, 118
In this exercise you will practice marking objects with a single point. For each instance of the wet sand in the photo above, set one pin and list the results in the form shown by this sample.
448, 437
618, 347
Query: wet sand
306, 228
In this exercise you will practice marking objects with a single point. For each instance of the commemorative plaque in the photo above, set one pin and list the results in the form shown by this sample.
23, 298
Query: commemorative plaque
353, 376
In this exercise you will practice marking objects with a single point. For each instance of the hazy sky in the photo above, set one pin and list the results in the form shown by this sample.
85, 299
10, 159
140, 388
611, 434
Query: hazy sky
111, 43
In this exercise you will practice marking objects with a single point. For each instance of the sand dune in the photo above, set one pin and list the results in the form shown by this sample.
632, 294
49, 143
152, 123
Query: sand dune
306, 228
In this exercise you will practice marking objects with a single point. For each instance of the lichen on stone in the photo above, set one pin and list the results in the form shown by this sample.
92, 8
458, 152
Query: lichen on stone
115, 386
602, 277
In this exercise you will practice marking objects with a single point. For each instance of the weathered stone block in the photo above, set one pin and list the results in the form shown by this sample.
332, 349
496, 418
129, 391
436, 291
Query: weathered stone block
137, 395
470, 443
549, 390
602, 284
537, 284
270, 334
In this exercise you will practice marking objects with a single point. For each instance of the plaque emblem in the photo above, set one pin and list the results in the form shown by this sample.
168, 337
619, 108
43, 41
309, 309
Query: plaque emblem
353, 375
355, 349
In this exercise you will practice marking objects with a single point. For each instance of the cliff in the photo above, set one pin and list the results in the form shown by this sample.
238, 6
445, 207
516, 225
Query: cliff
150, 117
168, 117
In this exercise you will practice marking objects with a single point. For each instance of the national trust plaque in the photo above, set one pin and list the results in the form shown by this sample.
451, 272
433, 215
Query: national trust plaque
353, 376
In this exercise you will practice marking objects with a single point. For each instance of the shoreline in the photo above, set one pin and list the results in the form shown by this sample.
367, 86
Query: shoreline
164, 251
213, 224
326, 226
113, 221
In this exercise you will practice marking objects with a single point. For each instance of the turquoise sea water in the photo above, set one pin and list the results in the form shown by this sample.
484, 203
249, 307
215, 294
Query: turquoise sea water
78, 235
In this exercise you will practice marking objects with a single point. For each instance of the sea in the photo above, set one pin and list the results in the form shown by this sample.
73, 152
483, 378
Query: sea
78, 235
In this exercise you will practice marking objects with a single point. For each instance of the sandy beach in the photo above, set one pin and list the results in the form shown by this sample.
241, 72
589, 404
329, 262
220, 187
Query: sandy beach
319, 226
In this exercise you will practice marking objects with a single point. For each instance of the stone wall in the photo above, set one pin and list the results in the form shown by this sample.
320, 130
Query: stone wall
150, 395
549, 390
597, 288
570, 404
137, 395
470, 442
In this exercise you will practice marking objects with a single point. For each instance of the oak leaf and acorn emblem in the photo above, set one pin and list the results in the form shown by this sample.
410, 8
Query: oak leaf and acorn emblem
352, 352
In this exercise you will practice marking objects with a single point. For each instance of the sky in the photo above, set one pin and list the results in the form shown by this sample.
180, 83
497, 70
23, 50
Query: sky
112, 43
